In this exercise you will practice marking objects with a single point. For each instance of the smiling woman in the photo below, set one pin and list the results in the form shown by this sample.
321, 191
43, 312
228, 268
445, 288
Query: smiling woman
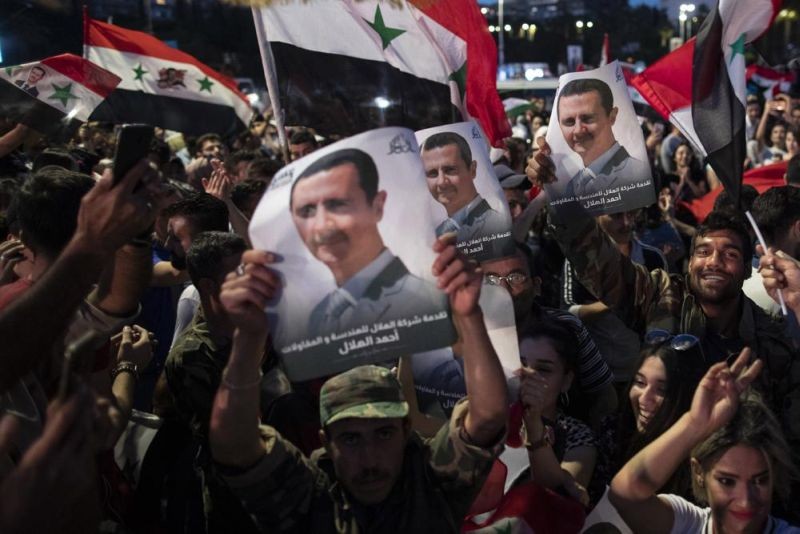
739, 460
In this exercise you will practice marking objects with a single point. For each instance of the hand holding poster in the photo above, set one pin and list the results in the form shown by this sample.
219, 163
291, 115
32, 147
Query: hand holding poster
598, 148
462, 180
355, 265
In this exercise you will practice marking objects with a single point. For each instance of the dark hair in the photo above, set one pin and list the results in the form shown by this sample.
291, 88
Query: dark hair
746, 197
41, 69
585, 85
442, 139
533, 261
198, 144
689, 147
684, 370
768, 137
160, 149
263, 169
303, 136
755, 426
776, 210
58, 156
363, 162
237, 157
205, 212
727, 219
562, 338
243, 191
46, 208
207, 253
793, 171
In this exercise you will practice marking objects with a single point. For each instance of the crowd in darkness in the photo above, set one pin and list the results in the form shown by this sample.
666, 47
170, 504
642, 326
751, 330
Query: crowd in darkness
140, 390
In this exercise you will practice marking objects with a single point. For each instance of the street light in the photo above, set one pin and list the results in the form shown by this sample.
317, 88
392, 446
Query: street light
491, 28
525, 26
589, 24
579, 24
484, 10
507, 27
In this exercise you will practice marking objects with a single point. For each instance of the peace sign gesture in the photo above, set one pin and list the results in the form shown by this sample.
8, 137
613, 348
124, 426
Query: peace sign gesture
717, 396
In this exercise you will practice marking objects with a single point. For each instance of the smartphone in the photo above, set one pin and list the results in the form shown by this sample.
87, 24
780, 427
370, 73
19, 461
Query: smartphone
132, 145
658, 127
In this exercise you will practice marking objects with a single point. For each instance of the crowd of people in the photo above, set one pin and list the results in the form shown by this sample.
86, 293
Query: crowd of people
141, 391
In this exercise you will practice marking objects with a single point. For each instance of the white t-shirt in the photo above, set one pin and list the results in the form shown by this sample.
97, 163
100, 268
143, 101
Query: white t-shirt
691, 519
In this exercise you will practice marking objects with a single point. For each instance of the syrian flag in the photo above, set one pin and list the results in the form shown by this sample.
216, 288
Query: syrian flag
55, 95
163, 86
719, 88
769, 81
667, 86
345, 67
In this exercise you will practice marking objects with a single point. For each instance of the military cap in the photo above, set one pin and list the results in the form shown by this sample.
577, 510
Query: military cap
368, 392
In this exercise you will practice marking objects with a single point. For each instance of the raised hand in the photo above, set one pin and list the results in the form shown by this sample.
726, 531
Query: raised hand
541, 169
456, 276
716, 398
247, 291
780, 271
112, 214
220, 182
532, 392
136, 346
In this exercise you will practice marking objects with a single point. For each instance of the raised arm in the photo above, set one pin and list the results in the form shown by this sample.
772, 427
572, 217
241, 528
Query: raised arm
233, 432
633, 489
485, 380
109, 216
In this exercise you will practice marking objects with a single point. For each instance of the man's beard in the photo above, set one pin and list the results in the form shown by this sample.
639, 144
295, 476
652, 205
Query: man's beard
722, 295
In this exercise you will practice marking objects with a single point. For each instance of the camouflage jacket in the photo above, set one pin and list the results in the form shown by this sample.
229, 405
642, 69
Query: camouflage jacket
288, 492
647, 300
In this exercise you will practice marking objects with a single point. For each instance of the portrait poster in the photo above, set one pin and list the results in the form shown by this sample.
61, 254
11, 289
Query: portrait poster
439, 374
597, 146
469, 199
353, 226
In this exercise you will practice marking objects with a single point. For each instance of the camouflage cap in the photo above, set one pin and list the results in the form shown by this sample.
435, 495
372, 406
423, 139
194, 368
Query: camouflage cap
368, 391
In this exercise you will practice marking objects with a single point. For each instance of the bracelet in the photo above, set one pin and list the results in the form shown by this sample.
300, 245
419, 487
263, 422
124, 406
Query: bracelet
235, 387
125, 367
547, 440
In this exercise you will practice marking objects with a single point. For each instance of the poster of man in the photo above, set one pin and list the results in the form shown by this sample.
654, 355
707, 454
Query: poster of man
461, 179
598, 147
439, 380
356, 267
29, 82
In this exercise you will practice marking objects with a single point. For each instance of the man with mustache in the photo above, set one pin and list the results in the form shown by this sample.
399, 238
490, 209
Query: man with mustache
451, 171
336, 206
586, 113
374, 473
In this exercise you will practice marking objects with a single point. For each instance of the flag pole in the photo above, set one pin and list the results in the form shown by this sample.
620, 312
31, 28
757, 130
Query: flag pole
85, 31
268, 64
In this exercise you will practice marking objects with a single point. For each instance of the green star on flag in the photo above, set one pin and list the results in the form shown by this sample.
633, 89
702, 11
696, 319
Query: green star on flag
387, 34
737, 47
460, 77
139, 72
205, 84
62, 93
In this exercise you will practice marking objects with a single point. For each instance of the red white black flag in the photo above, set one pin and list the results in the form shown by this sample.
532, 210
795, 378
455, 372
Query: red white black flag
346, 67
54, 95
163, 86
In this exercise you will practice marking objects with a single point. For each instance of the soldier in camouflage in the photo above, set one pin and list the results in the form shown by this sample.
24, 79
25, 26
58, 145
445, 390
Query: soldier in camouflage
374, 473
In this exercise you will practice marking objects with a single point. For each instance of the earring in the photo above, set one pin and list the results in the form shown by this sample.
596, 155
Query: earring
563, 398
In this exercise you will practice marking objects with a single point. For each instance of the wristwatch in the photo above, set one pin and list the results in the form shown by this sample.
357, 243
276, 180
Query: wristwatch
547, 439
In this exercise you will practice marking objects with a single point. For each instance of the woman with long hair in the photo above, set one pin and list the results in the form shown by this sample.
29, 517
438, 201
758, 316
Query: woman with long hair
739, 461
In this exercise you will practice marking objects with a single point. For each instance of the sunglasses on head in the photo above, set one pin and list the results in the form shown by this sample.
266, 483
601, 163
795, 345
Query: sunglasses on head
679, 342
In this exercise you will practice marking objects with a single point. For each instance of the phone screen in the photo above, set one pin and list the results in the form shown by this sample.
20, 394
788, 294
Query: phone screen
133, 144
